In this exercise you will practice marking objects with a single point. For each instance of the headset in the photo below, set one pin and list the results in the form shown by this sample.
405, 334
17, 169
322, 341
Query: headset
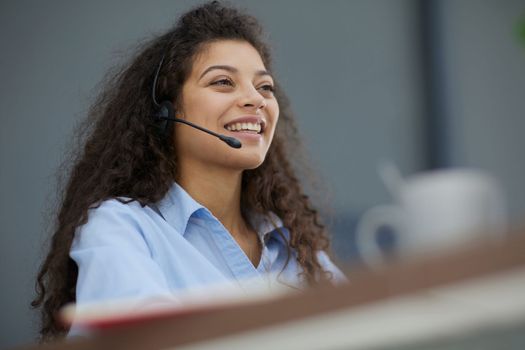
165, 113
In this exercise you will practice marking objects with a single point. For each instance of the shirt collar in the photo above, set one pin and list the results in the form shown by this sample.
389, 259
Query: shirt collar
177, 207
268, 225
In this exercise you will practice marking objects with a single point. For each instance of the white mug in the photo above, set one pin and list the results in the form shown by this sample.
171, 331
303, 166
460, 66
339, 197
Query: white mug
435, 211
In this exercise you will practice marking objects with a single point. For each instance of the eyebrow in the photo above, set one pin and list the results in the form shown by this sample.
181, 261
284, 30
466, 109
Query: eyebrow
231, 70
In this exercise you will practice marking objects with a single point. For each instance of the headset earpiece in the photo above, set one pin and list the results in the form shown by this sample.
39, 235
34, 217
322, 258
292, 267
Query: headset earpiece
166, 110
164, 114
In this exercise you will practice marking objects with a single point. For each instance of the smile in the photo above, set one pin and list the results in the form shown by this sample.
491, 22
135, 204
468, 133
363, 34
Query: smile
252, 127
246, 124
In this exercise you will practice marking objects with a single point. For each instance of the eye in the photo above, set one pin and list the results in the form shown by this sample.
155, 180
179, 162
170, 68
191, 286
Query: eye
222, 82
267, 88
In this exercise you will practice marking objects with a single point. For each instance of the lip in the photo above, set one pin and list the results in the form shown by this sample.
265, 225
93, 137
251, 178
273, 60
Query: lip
245, 136
255, 119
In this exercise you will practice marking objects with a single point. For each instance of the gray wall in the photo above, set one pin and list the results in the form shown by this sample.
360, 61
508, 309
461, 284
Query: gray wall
351, 68
484, 69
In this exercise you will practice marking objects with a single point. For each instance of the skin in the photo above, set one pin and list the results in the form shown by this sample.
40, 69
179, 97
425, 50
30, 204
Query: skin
210, 170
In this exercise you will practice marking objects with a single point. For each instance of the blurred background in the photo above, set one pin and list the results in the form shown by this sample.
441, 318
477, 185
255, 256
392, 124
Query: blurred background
425, 84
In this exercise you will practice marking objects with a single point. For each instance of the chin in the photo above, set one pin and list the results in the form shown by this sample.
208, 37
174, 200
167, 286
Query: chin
247, 161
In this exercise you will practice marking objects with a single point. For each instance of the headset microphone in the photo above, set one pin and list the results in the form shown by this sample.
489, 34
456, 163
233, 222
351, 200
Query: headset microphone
166, 112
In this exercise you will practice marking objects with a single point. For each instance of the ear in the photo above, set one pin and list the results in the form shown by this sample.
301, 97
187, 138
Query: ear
179, 113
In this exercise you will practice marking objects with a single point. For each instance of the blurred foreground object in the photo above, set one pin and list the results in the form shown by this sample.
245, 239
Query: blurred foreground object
439, 302
89, 318
433, 211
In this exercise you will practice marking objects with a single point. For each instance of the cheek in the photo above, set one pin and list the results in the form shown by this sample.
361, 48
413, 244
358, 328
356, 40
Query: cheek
205, 106
273, 110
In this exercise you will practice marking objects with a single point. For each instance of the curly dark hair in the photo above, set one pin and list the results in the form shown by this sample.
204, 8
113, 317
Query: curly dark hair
123, 154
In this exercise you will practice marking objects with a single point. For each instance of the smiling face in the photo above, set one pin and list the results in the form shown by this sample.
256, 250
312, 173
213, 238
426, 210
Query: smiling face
230, 92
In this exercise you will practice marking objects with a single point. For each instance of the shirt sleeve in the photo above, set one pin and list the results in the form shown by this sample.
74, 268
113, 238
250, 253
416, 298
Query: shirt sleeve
113, 258
338, 277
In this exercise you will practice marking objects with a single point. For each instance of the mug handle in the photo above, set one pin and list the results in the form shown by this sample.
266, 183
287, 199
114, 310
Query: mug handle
368, 227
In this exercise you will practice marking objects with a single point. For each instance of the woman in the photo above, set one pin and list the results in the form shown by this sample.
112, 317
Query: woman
155, 207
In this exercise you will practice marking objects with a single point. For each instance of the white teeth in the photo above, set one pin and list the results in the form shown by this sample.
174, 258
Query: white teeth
244, 126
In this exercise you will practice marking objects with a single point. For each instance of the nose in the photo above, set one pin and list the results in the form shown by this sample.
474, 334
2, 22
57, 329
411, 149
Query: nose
251, 98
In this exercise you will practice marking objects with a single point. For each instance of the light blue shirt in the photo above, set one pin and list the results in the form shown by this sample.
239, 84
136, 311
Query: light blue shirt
129, 251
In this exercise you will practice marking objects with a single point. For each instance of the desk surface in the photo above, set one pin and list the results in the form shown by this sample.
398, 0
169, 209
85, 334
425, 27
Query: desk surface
405, 293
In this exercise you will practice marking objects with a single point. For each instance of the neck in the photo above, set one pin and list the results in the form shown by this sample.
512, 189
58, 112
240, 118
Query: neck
217, 189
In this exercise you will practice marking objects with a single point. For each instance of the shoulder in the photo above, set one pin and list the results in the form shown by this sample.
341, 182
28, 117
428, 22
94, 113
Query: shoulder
113, 221
115, 255
120, 204
119, 210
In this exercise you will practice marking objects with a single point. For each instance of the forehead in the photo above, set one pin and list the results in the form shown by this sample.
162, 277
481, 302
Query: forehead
239, 54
